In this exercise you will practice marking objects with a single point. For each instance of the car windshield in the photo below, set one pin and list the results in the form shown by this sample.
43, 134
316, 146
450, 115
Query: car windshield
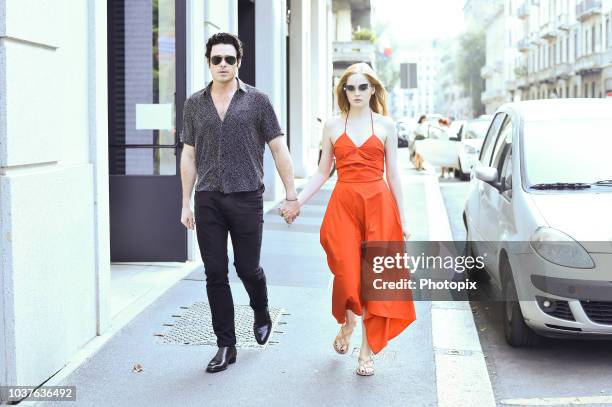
476, 129
567, 151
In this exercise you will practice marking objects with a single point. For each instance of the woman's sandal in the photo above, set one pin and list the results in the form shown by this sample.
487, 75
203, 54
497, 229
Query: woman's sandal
343, 340
365, 367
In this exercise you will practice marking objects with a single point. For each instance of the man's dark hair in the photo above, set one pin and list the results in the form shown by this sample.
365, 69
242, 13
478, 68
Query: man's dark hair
224, 38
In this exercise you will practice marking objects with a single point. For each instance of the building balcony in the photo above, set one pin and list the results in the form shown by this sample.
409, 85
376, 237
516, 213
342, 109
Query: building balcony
534, 39
493, 95
563, 22
487, 71
523, 45
532, 79
607, 57
522, 82
587, 8
548, 31
545, 75
353, 51
523, 10
563, 70
591, 63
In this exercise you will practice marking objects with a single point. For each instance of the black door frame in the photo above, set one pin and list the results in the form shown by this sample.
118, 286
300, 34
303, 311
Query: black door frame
145, 209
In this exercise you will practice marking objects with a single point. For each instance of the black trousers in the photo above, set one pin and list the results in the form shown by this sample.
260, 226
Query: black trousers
241, 215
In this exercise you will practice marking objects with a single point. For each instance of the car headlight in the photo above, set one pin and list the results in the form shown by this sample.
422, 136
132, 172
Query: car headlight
470, 149
559, 248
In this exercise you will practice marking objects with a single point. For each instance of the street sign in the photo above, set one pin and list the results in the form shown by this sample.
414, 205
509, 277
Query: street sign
408, 75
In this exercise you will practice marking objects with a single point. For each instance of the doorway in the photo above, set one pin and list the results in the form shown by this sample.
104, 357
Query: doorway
146, 92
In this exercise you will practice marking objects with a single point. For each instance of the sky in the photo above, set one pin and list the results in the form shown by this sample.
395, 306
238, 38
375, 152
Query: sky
411, 21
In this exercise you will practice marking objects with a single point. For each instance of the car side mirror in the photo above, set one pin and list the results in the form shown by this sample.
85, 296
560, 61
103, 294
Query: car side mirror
486, 174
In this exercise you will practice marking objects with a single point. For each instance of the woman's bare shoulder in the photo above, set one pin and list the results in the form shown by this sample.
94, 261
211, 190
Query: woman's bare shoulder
385, 122
333, 123
334, 120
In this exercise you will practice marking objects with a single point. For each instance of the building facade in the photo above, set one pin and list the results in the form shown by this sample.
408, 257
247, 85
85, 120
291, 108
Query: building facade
558, 48
452, 99
91, 97
422, 99
349, 16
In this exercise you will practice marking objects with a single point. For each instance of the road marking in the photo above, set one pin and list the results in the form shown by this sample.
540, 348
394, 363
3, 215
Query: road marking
462, 378
558, 401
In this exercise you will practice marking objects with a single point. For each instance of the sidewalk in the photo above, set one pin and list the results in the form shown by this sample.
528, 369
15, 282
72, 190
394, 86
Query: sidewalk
298, 367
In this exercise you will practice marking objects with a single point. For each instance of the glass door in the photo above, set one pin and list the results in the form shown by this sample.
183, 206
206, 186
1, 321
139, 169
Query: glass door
146, 69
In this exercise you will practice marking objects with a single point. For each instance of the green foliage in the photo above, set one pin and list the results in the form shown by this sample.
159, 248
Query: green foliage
364, 35
520, 71
471, 57
387, 68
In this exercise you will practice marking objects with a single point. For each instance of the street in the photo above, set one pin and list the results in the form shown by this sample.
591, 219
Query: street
435, 362
553, 369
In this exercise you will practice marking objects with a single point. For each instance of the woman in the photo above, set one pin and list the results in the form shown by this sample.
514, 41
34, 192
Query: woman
419, 134
362, 139
443, 134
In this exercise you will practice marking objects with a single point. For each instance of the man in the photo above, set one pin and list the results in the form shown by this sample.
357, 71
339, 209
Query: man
225, 129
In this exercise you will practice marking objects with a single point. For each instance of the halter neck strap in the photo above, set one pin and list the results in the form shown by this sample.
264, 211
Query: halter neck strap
372, 121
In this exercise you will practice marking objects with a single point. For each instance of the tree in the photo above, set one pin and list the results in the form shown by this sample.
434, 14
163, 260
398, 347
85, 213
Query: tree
470, 60
386, 66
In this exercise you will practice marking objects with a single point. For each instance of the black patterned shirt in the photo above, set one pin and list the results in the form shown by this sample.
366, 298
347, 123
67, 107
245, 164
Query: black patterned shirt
229, 153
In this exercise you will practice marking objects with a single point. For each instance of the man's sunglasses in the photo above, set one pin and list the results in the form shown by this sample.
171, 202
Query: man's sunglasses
362, 87
216, 60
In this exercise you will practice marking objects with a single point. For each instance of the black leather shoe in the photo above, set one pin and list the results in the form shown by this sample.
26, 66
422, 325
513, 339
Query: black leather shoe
262, 328
226, 355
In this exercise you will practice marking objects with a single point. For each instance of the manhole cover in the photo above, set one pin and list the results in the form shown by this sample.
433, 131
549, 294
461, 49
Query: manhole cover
194, 326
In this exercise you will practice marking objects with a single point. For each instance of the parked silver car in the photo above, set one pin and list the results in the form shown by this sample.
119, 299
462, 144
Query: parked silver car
540, 207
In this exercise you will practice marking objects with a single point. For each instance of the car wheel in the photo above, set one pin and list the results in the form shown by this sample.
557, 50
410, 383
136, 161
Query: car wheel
516, 331
474, 273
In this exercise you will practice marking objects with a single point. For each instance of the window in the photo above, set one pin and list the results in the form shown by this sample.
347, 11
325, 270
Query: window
506, 173
587, 42
556, 140
592, 89
586, 90
551, 55
503, 144
575, 45
575, 91
608, 32
567, 94
487, 148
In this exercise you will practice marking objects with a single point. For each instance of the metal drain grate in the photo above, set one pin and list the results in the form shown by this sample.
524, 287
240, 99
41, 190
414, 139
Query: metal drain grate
194, 326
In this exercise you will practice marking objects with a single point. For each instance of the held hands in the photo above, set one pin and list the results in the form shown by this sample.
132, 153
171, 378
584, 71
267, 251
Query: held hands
289, 210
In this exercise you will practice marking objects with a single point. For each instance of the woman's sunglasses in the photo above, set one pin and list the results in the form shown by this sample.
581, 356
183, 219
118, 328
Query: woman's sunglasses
362, 87
216, 60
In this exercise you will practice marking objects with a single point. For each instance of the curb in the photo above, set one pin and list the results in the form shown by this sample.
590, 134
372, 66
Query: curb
462, 378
